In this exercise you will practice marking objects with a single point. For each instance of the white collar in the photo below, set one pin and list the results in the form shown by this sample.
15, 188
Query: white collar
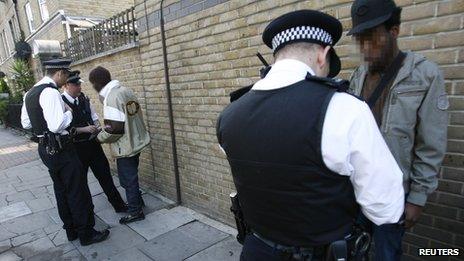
70, 98
108, 87
284, 73
46, 80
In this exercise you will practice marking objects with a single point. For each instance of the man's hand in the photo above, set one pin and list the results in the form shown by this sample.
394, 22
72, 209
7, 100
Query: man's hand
412, 214
67, 108
88, 129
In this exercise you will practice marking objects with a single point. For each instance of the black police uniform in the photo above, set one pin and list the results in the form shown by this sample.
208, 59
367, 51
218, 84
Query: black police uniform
90, 152
72, 194
292, 203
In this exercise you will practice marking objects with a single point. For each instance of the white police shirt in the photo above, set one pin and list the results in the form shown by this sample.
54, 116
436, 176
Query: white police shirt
71, 100
353, 146
53, 109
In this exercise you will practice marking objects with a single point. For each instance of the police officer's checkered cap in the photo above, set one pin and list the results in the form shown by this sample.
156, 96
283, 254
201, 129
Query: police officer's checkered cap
302, 33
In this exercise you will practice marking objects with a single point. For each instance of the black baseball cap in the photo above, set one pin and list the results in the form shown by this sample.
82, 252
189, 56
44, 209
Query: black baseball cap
367, 14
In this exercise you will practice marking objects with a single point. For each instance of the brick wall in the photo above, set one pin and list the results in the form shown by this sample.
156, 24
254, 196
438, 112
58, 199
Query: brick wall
125, 67
211, 48
92, 8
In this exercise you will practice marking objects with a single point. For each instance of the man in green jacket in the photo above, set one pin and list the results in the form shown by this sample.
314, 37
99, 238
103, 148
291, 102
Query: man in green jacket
125, 131
411, 110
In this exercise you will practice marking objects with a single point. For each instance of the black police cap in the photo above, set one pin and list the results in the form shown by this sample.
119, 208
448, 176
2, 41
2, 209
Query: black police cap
57, 64
305, 26
74, 77
367, 14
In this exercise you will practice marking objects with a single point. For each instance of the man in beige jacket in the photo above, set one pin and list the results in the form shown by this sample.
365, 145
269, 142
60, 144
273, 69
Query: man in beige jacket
125, 131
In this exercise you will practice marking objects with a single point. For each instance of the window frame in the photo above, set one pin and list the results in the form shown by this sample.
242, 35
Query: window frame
29, 17
44, 14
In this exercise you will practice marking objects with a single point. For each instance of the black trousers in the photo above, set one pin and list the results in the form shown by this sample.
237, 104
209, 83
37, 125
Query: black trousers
72, 193
92, 155
256, 250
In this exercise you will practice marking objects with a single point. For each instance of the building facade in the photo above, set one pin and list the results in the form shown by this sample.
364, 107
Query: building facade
211, 47
49, 20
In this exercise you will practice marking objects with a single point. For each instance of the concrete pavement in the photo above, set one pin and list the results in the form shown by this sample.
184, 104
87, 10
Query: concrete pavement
30, 228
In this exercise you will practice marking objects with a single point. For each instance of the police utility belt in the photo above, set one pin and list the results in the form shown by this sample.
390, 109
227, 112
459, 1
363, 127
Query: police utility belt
353, 247
54, 143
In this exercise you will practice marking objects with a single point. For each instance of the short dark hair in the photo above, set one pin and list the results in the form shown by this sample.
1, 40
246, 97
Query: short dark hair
51, 72
394, 20
100, 76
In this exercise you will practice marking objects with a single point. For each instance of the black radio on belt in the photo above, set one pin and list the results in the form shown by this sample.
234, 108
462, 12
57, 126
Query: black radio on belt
54, 143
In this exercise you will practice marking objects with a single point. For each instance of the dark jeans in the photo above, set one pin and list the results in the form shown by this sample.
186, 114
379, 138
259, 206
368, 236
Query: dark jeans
256, 250
72, 193
387, 242
92, 155
129, 179
387, 239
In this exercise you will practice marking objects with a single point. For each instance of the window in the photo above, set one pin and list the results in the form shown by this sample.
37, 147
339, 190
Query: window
6, 45
3, 56
43, 10
30, 17
13, 30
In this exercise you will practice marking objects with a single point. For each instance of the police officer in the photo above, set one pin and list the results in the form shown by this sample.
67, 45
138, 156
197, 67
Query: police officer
44, 111
304, 155
84, 129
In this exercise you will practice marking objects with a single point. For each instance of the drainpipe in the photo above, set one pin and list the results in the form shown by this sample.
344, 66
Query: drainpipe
21, 32
171, 115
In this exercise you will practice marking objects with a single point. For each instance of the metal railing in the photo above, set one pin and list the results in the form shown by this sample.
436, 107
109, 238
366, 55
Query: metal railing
111, 33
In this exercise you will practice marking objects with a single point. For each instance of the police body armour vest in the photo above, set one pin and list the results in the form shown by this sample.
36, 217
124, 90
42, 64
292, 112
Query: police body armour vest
34, 110
273, 143
82, 116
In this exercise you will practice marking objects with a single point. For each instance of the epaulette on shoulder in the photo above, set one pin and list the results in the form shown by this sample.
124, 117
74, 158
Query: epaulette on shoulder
339, 84
235, 95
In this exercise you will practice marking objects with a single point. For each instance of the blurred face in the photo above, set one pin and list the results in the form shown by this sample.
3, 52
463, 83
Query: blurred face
73, 89
61, 77
376, 46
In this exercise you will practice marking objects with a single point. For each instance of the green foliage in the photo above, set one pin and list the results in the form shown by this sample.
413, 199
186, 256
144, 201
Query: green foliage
3, 110
22, 80
4, 86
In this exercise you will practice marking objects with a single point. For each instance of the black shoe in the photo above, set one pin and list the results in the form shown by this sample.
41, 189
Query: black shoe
121, 209
132, 218
71, 234
96, 237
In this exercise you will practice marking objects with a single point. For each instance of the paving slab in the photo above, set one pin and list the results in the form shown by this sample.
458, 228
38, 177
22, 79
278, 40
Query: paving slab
226, 250
100, 202
52, 228
100, 224
9, 256
19, 197
30, 184
120, 239
40, 192
33, 248
28, 223
160, 222
152, 204
5, 245
182, 242
6, 234
29, 237
13, 211
95, 189
55, 253
130, 254
59, 237
110, 217
73, 255
40, 204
